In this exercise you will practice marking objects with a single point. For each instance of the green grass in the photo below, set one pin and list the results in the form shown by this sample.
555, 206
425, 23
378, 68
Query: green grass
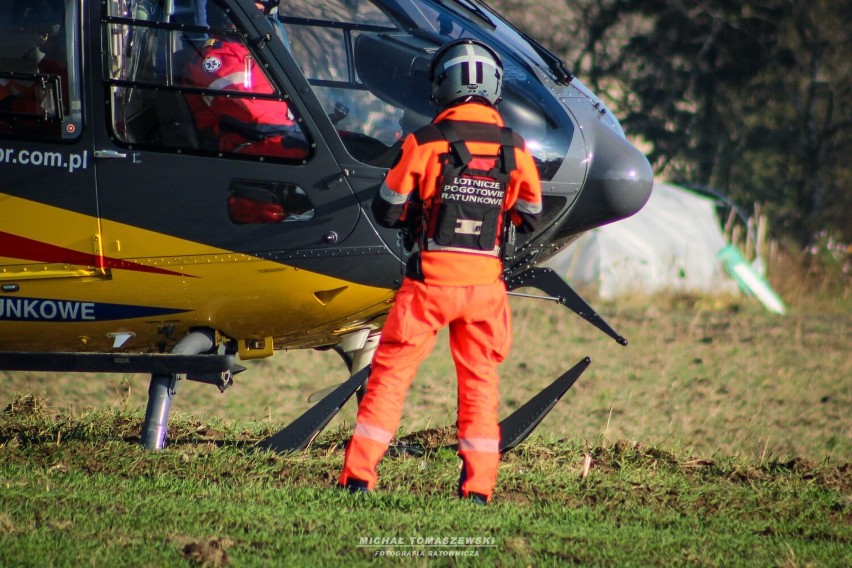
720, 436
81, 491
713, 380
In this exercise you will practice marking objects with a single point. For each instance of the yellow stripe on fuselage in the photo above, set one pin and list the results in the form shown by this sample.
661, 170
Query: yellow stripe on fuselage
238, 294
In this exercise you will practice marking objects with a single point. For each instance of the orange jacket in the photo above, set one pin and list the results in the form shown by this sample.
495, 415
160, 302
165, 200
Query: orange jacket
418, 170
239, 123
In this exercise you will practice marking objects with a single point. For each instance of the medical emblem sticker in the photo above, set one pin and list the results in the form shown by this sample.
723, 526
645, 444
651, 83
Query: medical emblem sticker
212, 64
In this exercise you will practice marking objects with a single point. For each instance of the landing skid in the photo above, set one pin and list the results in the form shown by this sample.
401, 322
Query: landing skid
304, 429
200, 366
188, 358
516, 427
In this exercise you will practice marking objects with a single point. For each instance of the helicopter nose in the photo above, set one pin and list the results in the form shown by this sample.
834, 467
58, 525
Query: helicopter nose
618, 182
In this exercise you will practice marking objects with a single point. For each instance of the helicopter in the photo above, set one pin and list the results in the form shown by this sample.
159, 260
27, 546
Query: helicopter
131, 241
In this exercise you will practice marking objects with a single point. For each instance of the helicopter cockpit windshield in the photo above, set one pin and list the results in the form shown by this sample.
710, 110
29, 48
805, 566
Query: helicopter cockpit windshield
367, 63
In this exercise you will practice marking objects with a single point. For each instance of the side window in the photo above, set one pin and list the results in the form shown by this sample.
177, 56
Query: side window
39, 71
254, 202
322, 39
182, 77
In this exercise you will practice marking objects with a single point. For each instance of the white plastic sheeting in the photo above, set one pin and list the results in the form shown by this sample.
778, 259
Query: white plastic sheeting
670, 245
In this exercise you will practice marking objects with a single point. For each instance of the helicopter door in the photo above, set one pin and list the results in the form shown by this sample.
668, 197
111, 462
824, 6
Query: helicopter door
202, 149
49, 226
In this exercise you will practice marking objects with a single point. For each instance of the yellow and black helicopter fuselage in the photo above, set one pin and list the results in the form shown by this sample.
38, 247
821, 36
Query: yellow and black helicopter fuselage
125, 228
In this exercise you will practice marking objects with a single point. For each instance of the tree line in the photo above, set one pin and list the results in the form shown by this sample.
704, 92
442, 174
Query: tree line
752, 99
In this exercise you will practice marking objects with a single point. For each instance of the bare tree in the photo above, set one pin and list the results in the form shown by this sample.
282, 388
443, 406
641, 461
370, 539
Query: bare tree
754, 99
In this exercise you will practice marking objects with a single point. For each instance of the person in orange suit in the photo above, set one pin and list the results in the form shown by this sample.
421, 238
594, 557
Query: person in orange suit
457, 181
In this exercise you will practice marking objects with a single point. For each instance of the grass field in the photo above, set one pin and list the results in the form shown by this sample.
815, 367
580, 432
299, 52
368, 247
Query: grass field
727, 379
720, 436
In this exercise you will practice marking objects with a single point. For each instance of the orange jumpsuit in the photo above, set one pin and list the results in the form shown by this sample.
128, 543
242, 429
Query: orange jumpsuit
244, 125
461, 290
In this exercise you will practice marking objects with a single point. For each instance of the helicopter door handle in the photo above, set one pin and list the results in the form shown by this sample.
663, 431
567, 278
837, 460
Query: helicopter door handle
112, 154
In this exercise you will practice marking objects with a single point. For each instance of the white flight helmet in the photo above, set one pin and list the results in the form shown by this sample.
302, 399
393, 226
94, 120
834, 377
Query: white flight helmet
466, 69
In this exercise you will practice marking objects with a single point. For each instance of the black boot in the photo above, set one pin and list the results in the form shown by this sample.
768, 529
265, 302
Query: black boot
478, 498
355, 486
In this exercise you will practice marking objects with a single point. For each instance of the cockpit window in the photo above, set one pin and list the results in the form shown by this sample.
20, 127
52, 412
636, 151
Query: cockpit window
183, 76
39, 71
369, 70
322, 39
260, 203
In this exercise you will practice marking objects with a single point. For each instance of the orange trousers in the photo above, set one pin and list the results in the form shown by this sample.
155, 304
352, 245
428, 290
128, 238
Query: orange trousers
479, 320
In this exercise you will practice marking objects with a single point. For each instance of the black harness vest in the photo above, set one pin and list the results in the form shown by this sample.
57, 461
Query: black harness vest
465, 213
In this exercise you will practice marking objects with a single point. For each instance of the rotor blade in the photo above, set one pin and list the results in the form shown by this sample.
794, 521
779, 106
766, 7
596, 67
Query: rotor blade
517, 426
299, 433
